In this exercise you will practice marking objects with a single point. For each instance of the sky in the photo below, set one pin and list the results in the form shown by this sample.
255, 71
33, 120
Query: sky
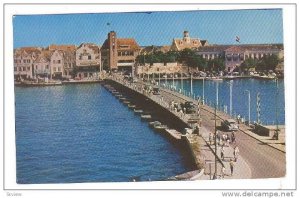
262, 26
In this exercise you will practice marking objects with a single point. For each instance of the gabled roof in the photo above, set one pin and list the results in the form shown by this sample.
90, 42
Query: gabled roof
130, 42
92, 46
53, 47
44, 55
204, 42
27, 51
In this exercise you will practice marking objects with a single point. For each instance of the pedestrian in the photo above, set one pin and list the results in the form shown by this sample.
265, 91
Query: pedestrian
238, 118
231, 164
215, 176
221, 142
227, 142
224, 137
223, 171
232, 137
236, 153
210, 138
222, 153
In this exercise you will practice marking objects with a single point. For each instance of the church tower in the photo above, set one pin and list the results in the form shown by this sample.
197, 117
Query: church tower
186, 37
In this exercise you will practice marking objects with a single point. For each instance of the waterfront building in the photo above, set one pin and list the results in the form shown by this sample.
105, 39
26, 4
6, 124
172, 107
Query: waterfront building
87, 61
234, 55
23, 62
41, 65
179, 44
119, 53
69, 58
57, 64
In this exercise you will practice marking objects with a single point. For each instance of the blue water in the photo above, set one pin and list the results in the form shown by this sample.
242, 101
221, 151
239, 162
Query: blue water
81, 133
266, 88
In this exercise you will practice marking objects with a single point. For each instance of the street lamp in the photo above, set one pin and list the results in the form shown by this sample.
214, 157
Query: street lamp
230, 97
173, 81
191, 83
159, 77
216, 165
181, 79
203, 91
277, 128
249, 105
217, 94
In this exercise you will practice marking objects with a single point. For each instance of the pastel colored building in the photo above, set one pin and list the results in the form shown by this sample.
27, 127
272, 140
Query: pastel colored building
23, 62
87, 61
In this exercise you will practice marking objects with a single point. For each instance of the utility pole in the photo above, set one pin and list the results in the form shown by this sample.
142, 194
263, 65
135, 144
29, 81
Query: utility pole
181, 80
249, 106
159, 77
277, 128
217, 94
230, 97
203, 91
216, 165
191, 83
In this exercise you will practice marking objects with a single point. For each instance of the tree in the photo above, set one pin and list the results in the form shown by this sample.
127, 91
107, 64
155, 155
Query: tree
268, 63
249, 63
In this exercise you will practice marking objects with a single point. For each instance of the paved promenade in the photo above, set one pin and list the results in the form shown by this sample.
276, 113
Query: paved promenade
259, 157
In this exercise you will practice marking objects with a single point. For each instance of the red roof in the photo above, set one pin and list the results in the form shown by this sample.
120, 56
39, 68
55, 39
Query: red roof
130, 42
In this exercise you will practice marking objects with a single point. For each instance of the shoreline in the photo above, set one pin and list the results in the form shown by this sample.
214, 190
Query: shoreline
59, 83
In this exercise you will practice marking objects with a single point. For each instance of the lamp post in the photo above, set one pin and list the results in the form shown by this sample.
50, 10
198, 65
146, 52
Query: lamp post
249, 106
216, 165
166, 79
217, 94
276, 104
203, 101
181, 80
191, 83
173, 81
230, 98
159, 77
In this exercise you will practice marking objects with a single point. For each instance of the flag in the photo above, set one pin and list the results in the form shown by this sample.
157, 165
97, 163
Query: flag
237, 39
107, 23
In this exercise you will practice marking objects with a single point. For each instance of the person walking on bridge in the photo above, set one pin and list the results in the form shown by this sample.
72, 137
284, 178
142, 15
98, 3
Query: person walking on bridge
231, 164
236, 153
210, 138
222, 153
232, 137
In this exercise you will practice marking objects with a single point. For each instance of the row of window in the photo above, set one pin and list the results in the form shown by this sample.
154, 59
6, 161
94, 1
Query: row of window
126, 53
57, 69
22, 68
82, 57
56, 61
46, 67
24, 61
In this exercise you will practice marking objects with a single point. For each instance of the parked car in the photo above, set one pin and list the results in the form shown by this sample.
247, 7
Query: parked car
230, 125
190, 107
156, 91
